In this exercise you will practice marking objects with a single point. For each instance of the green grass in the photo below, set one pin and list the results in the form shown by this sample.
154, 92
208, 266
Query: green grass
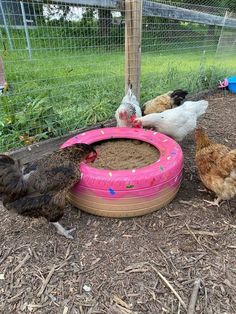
59, 91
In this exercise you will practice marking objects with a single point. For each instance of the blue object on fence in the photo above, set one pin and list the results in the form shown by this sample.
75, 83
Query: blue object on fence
232, 84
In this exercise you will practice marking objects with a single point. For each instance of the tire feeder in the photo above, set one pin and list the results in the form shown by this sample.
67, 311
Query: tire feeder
128, 193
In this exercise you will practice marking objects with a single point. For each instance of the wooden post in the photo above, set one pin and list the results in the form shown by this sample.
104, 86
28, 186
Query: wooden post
2, 75
133, 34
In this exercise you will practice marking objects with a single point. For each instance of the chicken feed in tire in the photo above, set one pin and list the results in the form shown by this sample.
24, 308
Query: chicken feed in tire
133, 192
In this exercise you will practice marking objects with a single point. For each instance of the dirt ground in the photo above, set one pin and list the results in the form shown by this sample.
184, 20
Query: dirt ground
132, 154
143, 265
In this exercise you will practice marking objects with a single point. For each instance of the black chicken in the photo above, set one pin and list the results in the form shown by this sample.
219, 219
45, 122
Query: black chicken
40, 189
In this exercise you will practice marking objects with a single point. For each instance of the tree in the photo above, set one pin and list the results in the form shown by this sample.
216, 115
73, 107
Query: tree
105, 22
58, 10
88, 15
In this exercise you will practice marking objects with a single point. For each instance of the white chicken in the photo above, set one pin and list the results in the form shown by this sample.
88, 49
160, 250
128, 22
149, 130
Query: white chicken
177, 122
128, 110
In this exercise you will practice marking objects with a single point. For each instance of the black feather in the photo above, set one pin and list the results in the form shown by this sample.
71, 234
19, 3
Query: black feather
28, 204
178, 95
11, 179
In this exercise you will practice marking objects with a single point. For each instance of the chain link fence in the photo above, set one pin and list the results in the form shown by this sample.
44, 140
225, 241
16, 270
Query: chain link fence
63, 63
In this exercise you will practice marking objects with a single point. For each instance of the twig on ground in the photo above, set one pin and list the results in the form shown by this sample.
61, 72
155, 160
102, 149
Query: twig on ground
167, 259
15, 297
232, 226
67, 255
179, 308
175, 215
46, 281
65, 310
123, 310
200, 232
170, 287
193, 234
211, 250
31, 307
206, 298
89, 269
193, 299
145, 230
202, 244
185, 202
18, 267
5, 255
134, 268
121, 302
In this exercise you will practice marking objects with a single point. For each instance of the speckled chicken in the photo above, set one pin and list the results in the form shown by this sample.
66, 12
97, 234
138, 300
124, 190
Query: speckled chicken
216, 164
128, 110
164, 102
40, 189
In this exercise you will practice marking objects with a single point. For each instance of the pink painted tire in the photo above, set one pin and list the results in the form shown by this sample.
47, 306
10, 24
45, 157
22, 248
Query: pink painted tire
128, 193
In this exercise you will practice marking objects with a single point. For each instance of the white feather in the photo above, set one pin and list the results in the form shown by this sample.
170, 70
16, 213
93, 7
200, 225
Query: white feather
177, 122
197, 107
129, 103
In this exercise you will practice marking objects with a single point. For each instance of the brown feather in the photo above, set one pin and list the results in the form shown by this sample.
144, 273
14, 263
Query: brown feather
159, 104
216, 165
46, 182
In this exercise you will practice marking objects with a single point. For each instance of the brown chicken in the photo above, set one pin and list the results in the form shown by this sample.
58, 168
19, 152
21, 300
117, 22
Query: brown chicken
40, 189
164, 102
216, 165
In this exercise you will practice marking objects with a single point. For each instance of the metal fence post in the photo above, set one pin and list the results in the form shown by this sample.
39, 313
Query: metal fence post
6, 27
133, 34
26, 29
221, 31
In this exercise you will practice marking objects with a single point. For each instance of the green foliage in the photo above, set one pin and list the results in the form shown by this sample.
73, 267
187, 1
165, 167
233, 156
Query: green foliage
37, 119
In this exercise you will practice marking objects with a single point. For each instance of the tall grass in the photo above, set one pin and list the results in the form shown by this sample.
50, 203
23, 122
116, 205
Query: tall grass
64, 89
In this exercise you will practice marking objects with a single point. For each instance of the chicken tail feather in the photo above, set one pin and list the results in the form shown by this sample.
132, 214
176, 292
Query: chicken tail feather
228, 162
11, 178
197, 107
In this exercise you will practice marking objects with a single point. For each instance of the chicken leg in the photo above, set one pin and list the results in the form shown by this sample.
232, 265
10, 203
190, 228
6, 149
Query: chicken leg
62, 231
216, 202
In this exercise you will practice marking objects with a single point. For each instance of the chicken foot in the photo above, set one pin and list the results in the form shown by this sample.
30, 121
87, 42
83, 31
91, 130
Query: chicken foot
216, 202
62, 231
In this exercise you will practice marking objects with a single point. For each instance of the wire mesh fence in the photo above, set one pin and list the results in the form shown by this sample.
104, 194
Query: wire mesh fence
180, 53
64, 62
69, 73
226, 46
